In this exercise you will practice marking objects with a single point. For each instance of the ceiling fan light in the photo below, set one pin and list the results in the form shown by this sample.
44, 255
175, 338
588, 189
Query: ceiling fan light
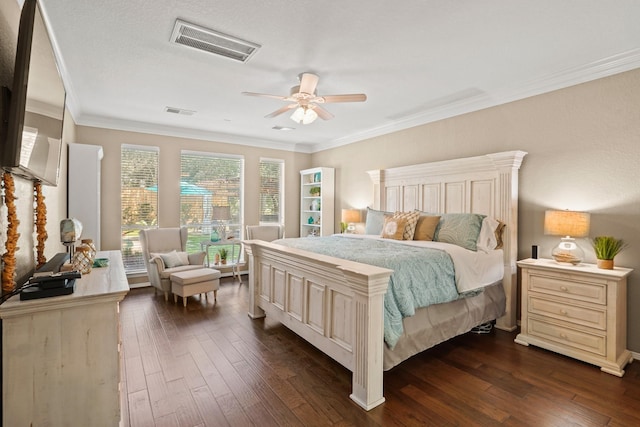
304, 115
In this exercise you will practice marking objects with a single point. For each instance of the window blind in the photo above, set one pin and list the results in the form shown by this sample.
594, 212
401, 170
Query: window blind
271, 191
139, 200
210, 195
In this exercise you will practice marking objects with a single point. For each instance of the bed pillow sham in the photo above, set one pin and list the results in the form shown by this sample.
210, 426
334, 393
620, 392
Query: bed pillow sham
393, 228
490, 237
410, 225
375, 221
460, 229
426, 227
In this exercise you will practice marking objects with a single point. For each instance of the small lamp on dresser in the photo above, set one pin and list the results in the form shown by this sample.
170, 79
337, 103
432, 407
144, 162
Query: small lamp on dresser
570, 224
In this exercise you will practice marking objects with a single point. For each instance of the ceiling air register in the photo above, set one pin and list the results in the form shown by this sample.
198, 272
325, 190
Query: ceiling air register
211, 41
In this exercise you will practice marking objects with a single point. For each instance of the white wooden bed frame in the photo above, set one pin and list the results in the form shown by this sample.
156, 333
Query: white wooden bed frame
337, 305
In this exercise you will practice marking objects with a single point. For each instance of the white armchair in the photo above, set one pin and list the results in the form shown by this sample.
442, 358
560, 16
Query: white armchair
268, 233
164, 252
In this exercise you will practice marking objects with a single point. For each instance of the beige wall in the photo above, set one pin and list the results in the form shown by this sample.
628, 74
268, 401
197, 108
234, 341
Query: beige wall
584, 154
169, 177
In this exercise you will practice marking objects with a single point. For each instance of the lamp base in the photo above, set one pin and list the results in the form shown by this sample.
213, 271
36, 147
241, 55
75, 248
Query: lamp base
568, 252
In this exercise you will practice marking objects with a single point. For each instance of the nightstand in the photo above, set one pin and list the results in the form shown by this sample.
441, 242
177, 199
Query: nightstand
579, 311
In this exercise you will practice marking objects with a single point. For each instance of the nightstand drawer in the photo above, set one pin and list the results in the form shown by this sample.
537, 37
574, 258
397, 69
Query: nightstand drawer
595, 317
595, 292
566, 336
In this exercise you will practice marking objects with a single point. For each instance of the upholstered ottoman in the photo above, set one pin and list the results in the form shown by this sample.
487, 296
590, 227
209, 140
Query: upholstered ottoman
192, 282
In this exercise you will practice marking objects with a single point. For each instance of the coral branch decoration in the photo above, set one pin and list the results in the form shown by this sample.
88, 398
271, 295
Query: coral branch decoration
11, 245
40, 223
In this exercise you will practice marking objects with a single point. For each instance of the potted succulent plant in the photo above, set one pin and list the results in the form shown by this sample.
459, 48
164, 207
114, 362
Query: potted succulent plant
223, 255
314, 191
606, 248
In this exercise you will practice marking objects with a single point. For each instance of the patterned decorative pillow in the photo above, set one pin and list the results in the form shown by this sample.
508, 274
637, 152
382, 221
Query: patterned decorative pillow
375, 221
412, 220
393, 228
426, 227
460, 229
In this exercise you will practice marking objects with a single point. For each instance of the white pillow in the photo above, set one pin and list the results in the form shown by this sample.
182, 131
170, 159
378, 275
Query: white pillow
174, 259
487, 238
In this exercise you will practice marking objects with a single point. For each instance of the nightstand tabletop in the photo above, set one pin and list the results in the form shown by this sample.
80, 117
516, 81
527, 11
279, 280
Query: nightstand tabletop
586, 268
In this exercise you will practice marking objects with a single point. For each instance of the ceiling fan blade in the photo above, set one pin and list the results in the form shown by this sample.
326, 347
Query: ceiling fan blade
265, 95
280, 111
322, 113
308, 83
355, 97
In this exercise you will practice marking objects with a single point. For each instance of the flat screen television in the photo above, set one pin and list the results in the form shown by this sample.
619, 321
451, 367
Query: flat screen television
33, 136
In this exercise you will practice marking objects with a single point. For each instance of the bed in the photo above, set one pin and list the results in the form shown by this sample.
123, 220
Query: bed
338, 304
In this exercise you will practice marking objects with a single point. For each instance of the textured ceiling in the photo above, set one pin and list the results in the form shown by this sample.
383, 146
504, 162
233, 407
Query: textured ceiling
417, 61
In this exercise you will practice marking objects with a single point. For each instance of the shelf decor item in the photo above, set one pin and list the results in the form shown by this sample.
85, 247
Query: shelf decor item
569, 224
223, 255
606, 248
81, 260
314, 191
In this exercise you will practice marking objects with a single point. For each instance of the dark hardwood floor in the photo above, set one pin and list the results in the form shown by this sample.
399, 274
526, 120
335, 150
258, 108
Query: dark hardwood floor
211, 365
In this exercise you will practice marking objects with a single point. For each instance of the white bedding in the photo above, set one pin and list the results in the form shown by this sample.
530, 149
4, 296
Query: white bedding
474, 270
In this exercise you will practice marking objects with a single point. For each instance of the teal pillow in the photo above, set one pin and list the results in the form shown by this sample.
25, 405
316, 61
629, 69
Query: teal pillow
460, 229
375, 221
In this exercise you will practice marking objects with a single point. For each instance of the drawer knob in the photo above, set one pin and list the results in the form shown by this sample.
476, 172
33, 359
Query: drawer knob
563, 336
563, 288
563, 312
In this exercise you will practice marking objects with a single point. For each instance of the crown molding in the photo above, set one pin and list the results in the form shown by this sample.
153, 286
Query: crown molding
605, 67
615, 64
179, 132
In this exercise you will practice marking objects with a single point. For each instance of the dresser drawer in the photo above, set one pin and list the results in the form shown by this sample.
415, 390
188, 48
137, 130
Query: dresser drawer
592, 317
594, 292
566, 336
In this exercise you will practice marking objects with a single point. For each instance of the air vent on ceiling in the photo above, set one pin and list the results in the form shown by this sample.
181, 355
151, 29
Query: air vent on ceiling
212, 41
181, 111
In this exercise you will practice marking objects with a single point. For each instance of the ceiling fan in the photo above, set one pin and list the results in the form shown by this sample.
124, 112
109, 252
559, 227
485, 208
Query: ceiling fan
305, 101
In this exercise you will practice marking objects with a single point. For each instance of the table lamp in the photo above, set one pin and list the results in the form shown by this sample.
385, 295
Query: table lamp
221, 214
570, 224
350, 217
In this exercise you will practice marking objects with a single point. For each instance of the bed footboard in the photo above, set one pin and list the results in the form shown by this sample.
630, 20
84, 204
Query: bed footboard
334, 304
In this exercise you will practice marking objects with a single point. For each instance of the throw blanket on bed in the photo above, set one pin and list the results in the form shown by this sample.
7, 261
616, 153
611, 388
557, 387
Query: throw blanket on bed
421, 276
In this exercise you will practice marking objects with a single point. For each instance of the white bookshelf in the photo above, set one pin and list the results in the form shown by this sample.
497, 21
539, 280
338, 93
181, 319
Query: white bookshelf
317, 210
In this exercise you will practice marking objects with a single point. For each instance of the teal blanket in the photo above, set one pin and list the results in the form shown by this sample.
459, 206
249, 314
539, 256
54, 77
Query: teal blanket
421, 276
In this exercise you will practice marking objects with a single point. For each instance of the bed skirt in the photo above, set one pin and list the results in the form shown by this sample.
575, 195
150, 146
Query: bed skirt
438, 323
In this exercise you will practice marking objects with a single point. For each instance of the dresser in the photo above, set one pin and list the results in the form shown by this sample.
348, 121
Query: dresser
579, 311
61, 355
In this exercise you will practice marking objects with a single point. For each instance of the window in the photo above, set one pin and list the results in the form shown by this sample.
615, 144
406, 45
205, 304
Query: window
271, 191
210, 196
139, 200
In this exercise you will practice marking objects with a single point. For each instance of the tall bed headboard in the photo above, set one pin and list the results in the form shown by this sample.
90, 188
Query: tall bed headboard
485, 184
